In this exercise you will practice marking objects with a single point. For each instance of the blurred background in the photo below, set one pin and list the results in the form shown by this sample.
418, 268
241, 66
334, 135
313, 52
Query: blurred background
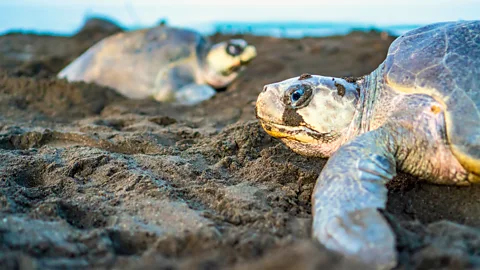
294, 18
92, 180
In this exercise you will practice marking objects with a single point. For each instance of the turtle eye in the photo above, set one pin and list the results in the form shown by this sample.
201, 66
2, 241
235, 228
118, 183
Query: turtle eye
234, 49
296, 95
299, 95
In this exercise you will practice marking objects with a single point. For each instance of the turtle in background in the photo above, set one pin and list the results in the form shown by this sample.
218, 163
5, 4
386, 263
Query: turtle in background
167, 63
417, 112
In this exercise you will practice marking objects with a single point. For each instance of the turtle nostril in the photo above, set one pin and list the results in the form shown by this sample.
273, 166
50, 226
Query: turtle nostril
264, 89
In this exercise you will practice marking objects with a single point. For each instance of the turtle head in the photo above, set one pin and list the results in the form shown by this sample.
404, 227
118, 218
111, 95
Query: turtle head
310, 114
225, 60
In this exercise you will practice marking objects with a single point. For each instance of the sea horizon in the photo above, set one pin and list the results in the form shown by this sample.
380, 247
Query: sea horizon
279, 29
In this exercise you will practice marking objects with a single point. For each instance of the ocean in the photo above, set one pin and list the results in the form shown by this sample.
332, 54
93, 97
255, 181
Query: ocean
281, 29
301, 29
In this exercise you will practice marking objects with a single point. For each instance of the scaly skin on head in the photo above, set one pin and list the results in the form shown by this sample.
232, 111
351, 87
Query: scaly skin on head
330, 114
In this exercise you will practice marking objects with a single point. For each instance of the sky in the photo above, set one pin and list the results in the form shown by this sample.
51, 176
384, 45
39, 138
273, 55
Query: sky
65, 16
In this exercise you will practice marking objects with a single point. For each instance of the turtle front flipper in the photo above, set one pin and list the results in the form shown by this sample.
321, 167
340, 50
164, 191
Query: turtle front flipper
349, 191
192, 94
177, 84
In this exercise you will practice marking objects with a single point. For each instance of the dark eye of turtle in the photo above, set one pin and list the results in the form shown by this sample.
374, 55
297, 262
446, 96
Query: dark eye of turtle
234, 49
298, 95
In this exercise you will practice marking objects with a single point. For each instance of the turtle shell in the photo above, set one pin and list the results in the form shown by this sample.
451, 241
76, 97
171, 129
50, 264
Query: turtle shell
131, 61
443, 60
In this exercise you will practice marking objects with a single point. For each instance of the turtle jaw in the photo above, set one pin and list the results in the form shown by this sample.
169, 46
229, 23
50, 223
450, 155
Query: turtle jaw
300, 134
303, 140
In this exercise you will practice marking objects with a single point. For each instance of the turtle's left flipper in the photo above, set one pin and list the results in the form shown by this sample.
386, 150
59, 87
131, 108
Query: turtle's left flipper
349, 191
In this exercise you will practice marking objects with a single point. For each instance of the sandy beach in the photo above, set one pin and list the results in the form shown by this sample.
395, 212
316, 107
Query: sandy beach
92, 180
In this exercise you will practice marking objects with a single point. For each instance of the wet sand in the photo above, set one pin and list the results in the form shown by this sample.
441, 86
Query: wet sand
92, 180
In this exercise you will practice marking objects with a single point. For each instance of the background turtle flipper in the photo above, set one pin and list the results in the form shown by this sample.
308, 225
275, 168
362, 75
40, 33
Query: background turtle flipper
349, 191
177, 83
194, 93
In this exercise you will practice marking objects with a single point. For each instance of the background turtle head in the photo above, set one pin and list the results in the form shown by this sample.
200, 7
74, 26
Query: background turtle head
311, 114
225, 60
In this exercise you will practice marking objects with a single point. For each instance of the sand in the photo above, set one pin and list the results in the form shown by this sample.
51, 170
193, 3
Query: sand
92, 180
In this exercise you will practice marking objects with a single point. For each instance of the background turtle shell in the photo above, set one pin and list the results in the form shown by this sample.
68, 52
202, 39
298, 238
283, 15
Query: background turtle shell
131, 61
443, 60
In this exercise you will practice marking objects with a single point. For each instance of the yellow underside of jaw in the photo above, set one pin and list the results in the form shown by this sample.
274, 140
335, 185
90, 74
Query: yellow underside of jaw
274, 131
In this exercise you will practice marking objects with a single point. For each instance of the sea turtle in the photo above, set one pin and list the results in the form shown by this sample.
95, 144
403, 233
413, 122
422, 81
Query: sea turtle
417, 112
167, 63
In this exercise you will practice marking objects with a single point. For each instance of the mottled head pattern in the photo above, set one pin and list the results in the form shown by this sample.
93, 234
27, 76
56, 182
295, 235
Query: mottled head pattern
226, 60
310, 113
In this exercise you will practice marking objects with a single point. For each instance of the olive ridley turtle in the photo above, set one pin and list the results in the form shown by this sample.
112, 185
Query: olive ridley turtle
167, 63
417, 112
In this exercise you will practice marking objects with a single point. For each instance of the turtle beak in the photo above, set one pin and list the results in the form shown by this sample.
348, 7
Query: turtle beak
244, 59
248, 54
269, 106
